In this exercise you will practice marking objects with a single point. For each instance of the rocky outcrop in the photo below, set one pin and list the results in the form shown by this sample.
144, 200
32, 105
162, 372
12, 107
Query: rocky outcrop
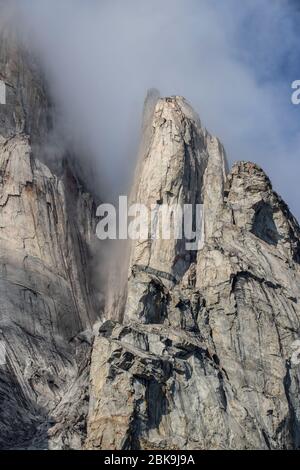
46, 230
202, 358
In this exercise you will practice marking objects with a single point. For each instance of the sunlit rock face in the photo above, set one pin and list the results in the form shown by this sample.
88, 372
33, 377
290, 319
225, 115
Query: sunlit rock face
202, 358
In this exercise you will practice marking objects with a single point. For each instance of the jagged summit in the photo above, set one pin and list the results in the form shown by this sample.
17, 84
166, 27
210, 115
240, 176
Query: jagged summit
202, 359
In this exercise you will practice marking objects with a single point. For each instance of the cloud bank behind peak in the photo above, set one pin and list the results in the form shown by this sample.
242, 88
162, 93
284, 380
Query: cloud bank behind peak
234, 61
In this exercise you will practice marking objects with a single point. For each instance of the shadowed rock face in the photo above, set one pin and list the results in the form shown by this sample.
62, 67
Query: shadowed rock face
47, 232
202, 359
196, 353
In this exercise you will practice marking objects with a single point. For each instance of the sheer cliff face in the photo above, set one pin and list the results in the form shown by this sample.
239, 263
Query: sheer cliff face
28, 108
202, 359
196, 353
47, 230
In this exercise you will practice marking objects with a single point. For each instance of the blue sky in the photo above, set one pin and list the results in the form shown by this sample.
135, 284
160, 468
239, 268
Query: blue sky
234, 61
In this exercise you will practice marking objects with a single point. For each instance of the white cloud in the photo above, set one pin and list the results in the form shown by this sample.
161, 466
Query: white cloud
224, 57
